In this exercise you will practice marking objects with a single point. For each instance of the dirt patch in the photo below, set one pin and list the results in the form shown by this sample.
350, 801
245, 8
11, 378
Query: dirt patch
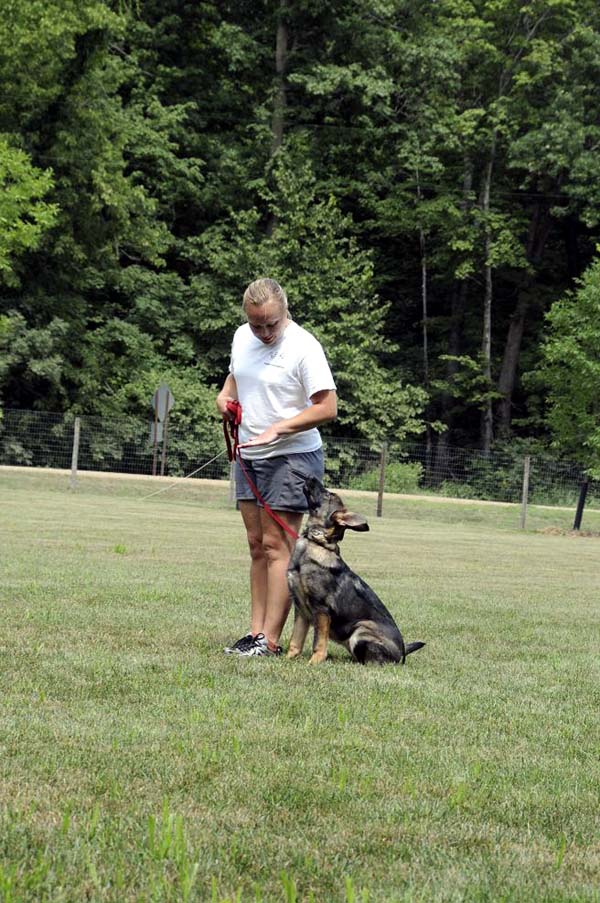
558, 531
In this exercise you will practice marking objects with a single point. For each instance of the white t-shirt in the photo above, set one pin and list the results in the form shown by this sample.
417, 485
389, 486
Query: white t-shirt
275, 382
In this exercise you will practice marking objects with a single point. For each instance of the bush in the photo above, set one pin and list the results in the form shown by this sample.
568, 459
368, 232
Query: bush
399, 477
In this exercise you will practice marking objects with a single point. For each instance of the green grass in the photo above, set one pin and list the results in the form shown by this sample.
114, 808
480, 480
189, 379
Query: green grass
139, 763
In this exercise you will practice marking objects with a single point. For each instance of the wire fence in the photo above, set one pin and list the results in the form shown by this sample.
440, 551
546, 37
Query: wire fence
39, 439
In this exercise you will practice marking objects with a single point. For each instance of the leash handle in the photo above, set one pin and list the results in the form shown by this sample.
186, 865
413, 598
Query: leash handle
235, 408
231, 429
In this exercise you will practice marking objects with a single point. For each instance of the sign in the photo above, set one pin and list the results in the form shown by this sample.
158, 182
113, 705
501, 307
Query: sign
162, 401
156, 432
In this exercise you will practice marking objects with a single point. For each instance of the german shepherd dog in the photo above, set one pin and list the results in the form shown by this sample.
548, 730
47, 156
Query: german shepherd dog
331, 597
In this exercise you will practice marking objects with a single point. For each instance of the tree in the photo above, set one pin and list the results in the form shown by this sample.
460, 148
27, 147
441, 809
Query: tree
571, 371
92, 111
329, 279
553, 110
24, 214
423, 177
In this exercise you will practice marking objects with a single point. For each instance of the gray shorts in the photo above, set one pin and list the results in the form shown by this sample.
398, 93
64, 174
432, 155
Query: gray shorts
281, 489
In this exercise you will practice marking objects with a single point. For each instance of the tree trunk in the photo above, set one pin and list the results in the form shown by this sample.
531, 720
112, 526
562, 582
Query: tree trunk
442, 467
571, 226
512, 349
539, 230
455, 343
428, 431
280, 99
459, 298
281, 57
487, 417
510, 363
425, 321
424, 308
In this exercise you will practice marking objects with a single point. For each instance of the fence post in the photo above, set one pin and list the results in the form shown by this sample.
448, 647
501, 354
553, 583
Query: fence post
581, 504
525, 492
75, 454
381, 478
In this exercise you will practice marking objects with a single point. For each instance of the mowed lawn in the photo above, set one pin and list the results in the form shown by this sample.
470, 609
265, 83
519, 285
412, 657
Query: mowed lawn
140, 763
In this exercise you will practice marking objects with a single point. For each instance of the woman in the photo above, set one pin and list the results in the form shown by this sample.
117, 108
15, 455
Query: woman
281, 378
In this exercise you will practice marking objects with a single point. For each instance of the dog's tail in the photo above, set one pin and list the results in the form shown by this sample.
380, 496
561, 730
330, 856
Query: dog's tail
412, 647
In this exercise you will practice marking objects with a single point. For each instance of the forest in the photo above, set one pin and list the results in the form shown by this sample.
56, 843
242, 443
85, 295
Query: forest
422, 176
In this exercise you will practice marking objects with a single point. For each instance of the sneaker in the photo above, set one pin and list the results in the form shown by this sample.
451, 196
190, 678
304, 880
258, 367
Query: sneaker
261, 647
241, 646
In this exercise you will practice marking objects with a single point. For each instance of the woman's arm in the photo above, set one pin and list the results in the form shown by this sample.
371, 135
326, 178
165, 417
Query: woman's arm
229, 392
322, 410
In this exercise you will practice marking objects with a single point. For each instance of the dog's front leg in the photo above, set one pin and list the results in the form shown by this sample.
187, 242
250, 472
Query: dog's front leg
299, 632
321, 640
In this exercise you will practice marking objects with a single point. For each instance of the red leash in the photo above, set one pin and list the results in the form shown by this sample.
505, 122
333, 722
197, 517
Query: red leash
231, 429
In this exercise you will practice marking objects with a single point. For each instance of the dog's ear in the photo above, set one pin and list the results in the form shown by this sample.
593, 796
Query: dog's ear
314, 492
350, 520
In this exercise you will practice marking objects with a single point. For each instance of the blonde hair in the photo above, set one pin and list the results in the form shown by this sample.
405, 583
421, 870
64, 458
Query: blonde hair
261, 291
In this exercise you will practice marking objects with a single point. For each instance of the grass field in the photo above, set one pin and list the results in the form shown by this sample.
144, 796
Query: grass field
139, 763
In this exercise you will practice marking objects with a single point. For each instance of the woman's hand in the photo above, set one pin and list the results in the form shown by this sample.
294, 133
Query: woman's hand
228, 393
222, 402
266, 438
322, 409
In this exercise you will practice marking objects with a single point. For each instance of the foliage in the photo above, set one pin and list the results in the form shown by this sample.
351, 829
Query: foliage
24, 215
467, 382
571, 371
329, 280
399, 477
34, 357
423, 149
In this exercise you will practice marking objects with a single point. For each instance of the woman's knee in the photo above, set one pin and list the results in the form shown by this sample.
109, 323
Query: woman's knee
255, 544
274, 547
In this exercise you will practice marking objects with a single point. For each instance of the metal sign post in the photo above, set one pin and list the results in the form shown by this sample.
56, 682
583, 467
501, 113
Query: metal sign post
165, 420
162, 402
156, 436
154, 440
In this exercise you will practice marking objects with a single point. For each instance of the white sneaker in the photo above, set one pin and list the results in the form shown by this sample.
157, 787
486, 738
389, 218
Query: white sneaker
260, 647
240, 646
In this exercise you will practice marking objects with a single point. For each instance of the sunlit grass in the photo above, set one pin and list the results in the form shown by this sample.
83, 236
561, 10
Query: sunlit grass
137, 762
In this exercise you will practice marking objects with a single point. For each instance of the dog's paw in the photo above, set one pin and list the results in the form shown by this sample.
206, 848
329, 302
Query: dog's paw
316, 659
293, 652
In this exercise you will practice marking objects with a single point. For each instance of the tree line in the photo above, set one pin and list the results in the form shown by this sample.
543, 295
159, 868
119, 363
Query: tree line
422, 177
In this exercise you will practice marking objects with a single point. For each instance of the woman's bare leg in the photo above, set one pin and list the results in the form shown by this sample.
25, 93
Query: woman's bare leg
251, 515
277, 548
